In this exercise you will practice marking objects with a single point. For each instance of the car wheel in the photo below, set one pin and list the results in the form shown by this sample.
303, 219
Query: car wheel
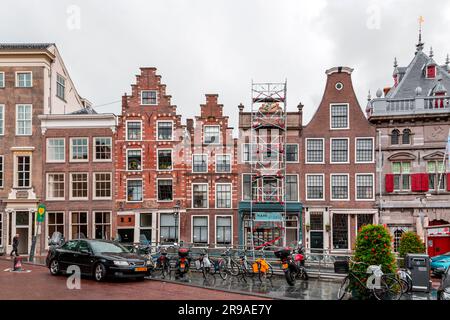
99, 272
54, 267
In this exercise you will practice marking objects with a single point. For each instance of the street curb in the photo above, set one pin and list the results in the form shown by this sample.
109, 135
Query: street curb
244, 293
3, 258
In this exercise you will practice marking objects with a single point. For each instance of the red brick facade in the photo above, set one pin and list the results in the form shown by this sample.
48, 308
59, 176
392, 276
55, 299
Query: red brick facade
323, 231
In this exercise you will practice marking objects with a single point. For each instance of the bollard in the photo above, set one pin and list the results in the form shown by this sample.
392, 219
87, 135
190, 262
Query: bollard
17, 264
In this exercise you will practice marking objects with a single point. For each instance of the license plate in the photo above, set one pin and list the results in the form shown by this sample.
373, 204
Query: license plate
284, 266
182, 265
140, 269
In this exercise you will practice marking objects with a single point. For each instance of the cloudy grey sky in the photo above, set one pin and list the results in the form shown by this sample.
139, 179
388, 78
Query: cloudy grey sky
219, 46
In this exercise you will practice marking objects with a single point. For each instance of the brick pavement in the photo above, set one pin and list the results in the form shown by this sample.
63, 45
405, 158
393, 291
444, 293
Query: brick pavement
40, 285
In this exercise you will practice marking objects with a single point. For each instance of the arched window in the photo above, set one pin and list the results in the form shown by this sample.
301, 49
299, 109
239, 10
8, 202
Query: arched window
394, 136
397, 236
406, 138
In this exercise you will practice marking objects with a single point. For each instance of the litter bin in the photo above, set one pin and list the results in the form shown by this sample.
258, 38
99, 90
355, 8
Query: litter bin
341, 265
419, 266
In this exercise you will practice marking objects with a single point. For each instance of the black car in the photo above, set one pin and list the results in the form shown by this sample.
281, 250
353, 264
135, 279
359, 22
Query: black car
97, 258
443, 293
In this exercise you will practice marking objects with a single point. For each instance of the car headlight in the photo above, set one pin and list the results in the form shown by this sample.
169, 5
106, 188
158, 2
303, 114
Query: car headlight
120, 263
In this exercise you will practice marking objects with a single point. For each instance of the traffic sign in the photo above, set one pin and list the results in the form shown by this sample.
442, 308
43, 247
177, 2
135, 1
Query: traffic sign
41, 212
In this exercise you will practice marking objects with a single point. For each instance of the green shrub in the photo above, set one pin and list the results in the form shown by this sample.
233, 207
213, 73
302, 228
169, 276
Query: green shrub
410, 242
373, 247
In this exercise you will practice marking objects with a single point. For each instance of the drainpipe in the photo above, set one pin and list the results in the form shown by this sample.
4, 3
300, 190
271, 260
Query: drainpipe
380, 169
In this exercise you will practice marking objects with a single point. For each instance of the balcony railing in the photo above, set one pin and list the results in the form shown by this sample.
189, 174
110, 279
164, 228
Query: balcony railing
418, 105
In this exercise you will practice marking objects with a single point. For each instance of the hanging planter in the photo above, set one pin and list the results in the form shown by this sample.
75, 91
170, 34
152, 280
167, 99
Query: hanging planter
307, 227
327, 227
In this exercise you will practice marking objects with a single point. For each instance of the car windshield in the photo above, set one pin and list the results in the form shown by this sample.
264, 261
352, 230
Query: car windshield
103, 247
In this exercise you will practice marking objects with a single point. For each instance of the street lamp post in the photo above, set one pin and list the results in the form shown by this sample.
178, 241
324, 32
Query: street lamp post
176, 214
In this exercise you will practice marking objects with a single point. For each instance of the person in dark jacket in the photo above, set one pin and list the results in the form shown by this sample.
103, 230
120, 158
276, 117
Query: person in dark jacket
15, 245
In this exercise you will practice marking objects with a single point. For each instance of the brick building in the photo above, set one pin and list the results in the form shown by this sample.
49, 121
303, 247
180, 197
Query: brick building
337, 167
413, 120
78, 173
33, 81
212, 180
150, 163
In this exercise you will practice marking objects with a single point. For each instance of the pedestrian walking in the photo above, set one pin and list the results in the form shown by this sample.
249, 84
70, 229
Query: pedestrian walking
15, 245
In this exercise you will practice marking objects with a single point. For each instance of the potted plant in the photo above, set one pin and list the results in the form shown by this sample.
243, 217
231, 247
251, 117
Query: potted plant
327, 227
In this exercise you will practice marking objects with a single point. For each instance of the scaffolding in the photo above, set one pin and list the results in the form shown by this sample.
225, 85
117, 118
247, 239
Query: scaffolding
268, 159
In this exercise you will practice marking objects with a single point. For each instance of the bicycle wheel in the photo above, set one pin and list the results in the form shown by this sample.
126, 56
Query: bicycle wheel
270, 271
405, 285
390, 288
234, 268
344, 289
223, 272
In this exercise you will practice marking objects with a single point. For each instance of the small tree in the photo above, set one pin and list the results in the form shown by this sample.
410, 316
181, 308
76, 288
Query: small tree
410, 242
373, 247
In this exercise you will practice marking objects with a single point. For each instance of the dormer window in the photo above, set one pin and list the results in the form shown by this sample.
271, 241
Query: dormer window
431, 72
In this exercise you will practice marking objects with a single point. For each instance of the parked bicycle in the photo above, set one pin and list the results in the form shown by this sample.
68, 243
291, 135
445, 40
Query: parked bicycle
383, 286
260, 266
405, 278
227, 265
204, 264
162, 262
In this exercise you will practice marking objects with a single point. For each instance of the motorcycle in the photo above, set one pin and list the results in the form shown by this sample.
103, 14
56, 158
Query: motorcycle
182, 265
292, 263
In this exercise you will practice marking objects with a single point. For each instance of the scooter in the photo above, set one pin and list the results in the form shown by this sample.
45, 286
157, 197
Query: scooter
182, 265
292, 263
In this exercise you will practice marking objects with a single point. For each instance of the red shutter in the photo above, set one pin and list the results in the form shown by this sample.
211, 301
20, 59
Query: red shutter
448, 181
424, 179
415, 182
389, 182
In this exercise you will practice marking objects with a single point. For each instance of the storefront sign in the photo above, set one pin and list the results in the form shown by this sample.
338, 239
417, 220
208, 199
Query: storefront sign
268, 216
437, 231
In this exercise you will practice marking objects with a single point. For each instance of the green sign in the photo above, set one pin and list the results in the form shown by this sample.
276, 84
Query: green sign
41, 213
268, 216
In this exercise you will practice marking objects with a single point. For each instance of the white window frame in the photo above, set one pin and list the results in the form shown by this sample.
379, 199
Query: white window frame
242, 186
192, 230
373, 185
126, 130
149, 104
157, 190
63, 85
157, 130
157, 159
348, 115
47, 150
231, 162
250, 161
1, 229
94, 180
348, 234
207, 162
70, 223
94, 154
4, 80
231, 195
373, 149
323, 186
204, 134
2, 182
17, 119
2, 120
331, 186
207, 195
17, 78
71, 186
126, 159
15, 184
306, 151
298, 186
126, 190
94, 223
298, 153
71, 151
348, 150
47, 187
215, 229
47, 232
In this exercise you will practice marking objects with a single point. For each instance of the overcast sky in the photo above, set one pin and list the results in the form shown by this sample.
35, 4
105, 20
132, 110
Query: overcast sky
219, 46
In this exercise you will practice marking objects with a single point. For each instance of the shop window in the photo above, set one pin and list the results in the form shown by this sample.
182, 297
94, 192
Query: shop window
340, 231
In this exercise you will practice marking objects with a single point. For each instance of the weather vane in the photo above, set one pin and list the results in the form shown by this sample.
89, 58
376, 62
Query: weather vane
420, 44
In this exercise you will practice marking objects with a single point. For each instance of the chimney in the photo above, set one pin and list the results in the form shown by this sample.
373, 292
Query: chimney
190, 125
241, 107
300, 114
